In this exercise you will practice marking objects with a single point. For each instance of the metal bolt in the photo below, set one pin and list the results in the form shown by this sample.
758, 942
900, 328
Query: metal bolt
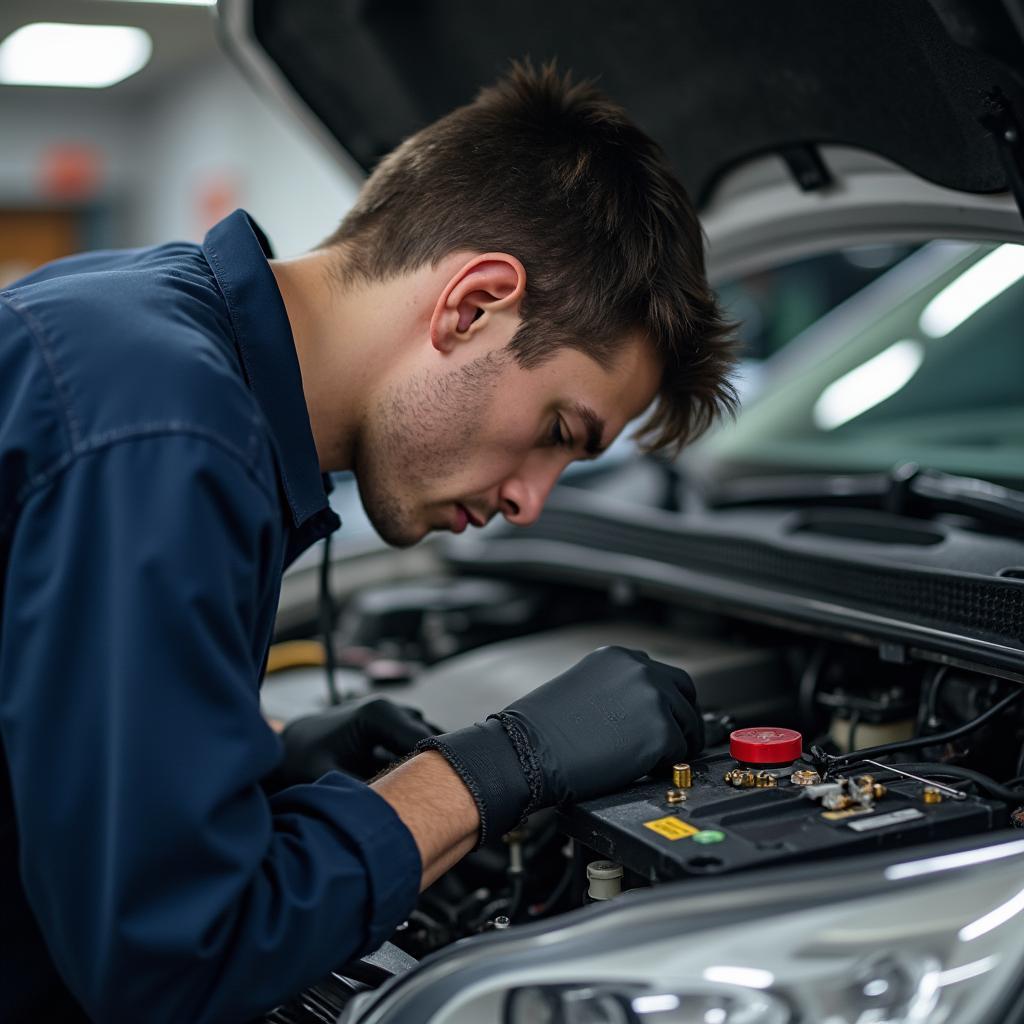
675, 796
682, 776
931, 795
501, 922
765, 780
805, 777
741, 778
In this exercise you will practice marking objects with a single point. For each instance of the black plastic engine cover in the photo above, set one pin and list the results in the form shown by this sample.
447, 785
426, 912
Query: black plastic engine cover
757, 827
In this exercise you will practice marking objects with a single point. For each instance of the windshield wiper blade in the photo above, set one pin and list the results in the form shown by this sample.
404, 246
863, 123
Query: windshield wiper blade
907, 490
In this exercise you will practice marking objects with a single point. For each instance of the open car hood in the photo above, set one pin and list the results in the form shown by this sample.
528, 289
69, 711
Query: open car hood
792, 125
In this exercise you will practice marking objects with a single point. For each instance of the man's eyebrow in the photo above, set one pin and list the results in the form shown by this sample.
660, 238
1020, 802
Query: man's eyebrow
594, 426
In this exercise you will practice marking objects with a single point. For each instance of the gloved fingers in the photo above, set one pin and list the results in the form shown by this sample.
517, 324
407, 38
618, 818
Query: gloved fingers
683, 683
380, 761
392, 727
687, 717
418, 715
692, 724
685, 743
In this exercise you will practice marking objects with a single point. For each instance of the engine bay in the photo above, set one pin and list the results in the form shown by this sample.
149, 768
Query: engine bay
817, 748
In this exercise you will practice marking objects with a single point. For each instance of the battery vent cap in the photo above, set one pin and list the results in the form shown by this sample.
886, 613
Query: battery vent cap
766, 745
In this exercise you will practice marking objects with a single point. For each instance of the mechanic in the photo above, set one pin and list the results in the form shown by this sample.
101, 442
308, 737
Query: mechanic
514, 284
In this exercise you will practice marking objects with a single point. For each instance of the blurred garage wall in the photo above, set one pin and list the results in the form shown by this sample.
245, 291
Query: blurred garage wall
215, 144
159, 156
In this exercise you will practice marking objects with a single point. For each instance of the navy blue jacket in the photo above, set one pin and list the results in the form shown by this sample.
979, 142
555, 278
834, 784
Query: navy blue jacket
157, 473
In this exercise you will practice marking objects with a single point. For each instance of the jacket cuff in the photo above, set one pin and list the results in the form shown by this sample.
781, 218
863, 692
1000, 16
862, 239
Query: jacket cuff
484, 757
385, 848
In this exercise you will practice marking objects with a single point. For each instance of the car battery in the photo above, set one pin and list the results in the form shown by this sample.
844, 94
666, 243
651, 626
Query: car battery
731, 814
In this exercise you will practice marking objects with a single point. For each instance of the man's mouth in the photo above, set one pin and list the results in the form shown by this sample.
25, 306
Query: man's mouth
464, 517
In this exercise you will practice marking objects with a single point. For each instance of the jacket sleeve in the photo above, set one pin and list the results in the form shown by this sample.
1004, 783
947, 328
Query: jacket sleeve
167, 886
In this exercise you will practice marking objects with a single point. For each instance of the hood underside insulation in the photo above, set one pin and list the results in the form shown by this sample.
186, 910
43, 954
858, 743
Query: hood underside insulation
715, 82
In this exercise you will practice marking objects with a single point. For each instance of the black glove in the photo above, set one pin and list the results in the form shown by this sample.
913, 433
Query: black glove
612, 717
361, 740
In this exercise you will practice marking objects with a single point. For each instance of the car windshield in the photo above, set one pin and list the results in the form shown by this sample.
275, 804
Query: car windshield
925, 364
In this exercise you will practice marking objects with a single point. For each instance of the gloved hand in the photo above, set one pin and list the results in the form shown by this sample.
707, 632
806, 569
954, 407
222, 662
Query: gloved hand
612, 717
361, 740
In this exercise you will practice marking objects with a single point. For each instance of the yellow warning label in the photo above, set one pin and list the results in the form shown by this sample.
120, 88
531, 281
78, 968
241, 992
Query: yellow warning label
671, 827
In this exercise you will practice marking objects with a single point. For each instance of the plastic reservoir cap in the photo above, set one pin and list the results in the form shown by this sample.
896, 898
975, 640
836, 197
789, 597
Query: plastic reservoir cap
605, 879
766, 745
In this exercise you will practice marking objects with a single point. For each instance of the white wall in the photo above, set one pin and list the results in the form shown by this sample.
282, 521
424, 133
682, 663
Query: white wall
160, 154
32, 120
216, 127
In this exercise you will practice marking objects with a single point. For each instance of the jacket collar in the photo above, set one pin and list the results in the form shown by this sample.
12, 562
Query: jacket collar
237, 251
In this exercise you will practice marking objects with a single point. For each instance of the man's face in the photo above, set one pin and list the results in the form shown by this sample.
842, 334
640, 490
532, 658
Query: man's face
446, 447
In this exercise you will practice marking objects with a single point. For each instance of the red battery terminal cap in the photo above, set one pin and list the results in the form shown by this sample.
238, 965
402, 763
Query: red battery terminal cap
766, 745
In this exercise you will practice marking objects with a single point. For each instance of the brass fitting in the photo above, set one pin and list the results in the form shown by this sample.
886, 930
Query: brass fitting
682, 776
746, 778
931, 795
675, 796
805, 777
878, 791
741, 778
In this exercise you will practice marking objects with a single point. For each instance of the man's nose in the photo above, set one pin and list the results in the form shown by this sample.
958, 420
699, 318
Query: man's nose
521, 497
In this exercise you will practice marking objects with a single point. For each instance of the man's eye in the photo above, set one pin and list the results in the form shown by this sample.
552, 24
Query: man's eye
559, 435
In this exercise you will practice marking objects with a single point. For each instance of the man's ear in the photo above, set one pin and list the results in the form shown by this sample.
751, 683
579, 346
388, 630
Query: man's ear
486, 286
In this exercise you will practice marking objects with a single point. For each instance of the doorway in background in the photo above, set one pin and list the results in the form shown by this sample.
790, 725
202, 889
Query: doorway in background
30, 238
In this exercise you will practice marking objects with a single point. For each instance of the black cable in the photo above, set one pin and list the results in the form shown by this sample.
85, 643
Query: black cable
327, 622
932, 718
956, 771
515, 896
917, 742
809, 679
557, 893
854, 723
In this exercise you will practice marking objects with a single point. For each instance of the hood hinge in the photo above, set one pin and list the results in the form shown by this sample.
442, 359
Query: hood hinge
1001, 122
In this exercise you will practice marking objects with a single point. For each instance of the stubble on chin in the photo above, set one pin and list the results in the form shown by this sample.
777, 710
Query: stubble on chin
416, 439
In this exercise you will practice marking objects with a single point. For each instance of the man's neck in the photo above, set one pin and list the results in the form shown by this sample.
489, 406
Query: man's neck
352, 339
331, 329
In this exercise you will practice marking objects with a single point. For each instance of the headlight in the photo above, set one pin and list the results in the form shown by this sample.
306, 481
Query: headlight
852, 942
623, 1004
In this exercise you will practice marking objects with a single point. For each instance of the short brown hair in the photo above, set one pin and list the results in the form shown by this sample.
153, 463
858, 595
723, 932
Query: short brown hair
556, 174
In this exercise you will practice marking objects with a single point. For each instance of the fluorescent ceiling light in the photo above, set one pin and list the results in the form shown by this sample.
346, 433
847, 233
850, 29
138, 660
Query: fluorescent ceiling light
655, 1004
993, 919
868, 385
953, 861
748, 977
974, 288
966, 971
189, 3
83, 56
